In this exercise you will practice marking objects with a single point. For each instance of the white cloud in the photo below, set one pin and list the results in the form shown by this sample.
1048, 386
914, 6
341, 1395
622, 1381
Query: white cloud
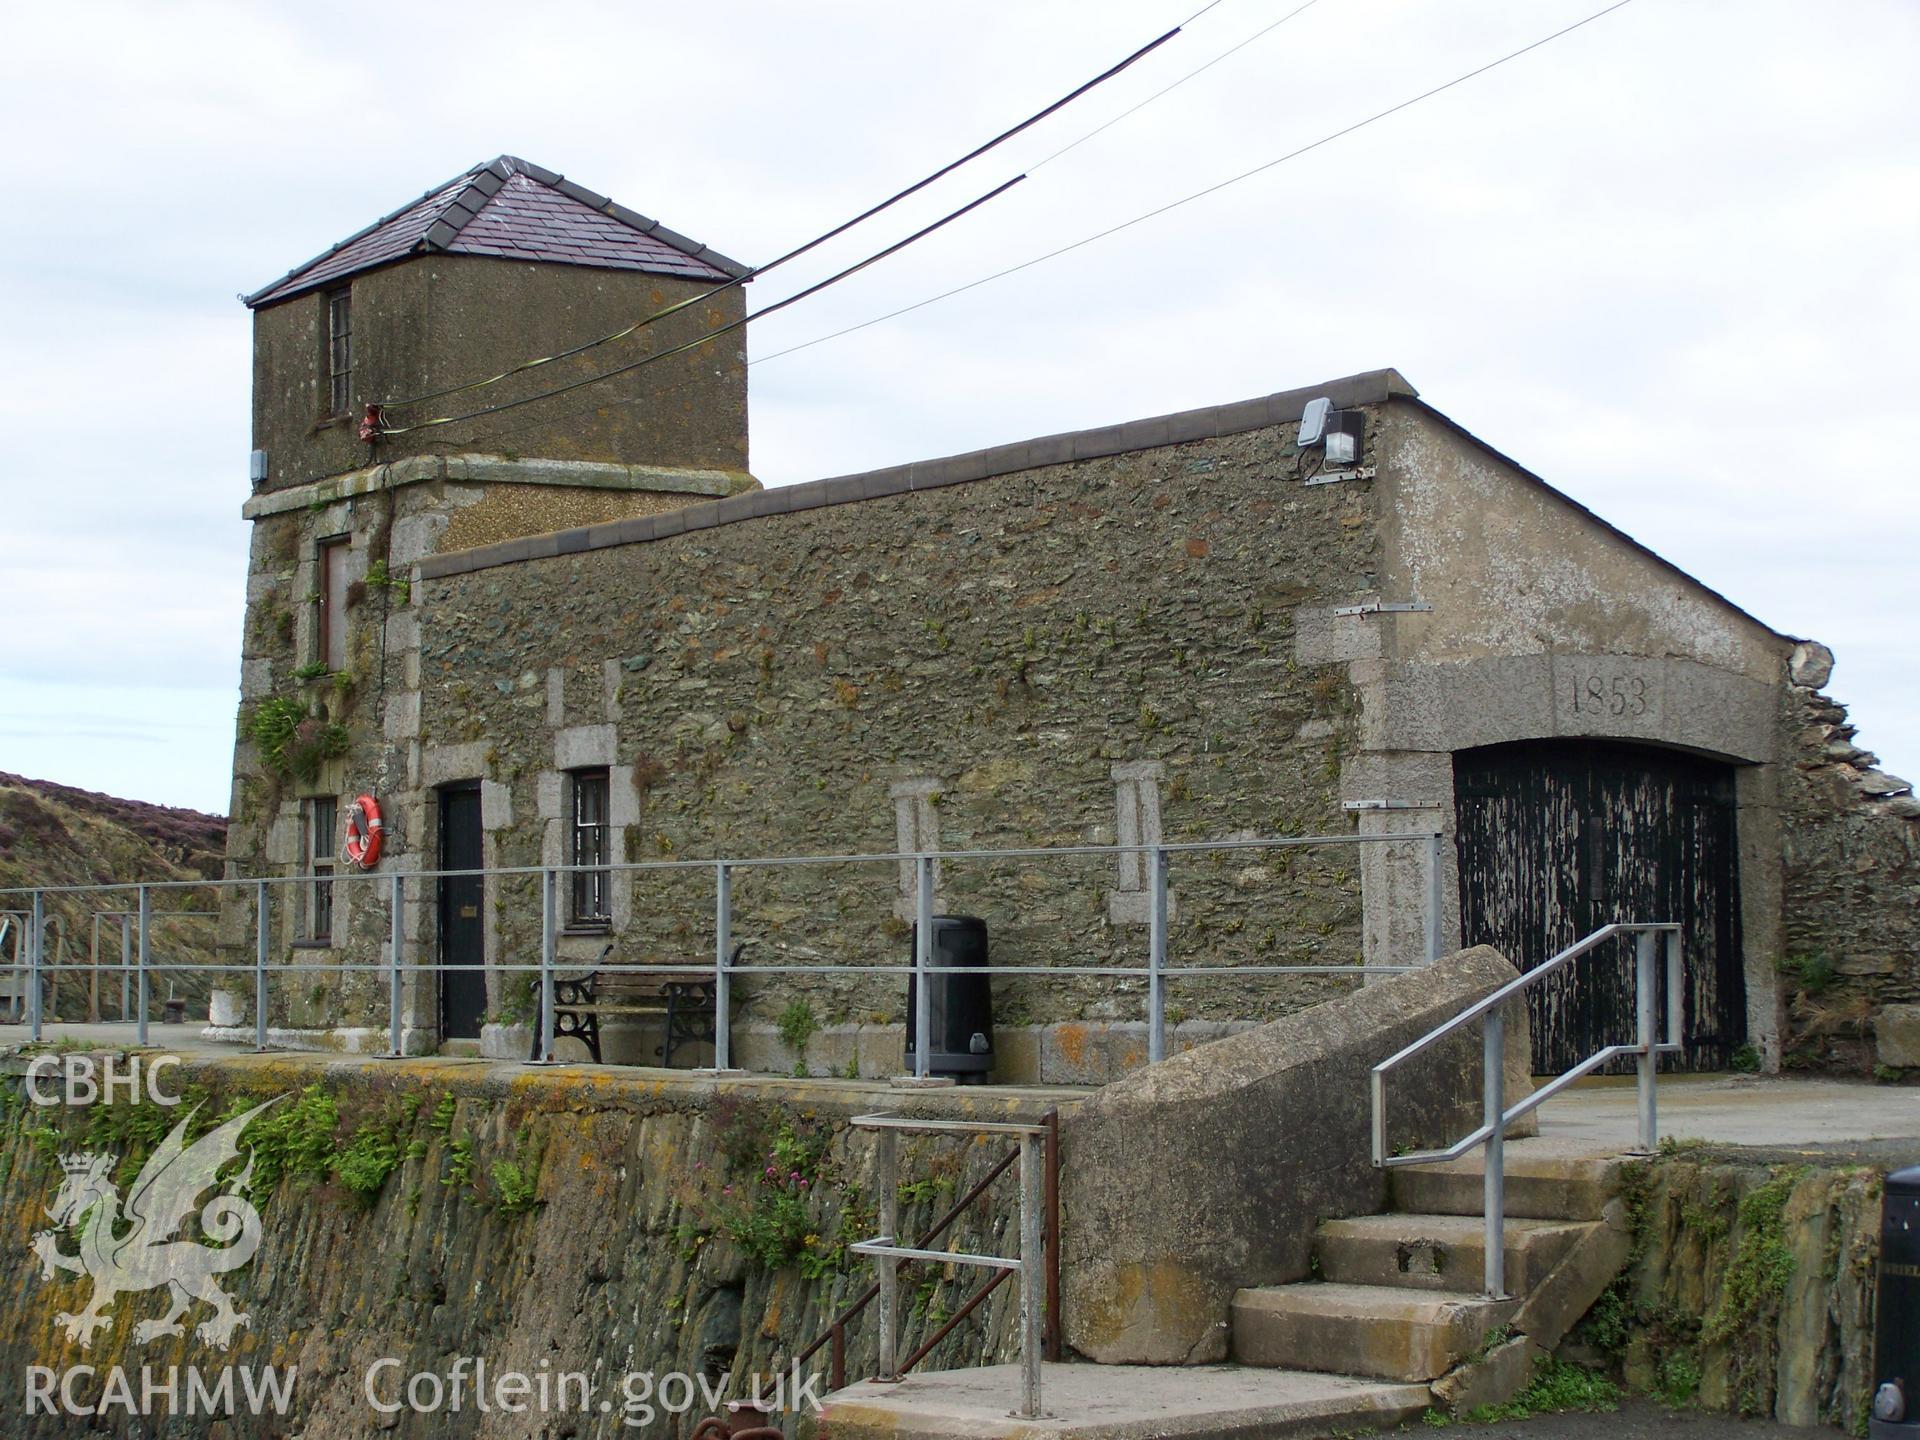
1665, 262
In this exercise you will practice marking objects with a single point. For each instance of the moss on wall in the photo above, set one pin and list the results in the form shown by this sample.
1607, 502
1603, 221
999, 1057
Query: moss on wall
1006, 643
430, 1212
1750, 1288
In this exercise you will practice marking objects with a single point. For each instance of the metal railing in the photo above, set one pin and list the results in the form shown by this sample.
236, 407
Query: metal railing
1497, 1115
1029, 1264
123, 919
834, 1337
17, 926
13, 923
1157, 971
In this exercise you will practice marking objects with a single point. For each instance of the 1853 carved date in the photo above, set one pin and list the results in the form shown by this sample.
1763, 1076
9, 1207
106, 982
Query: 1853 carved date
1616, 695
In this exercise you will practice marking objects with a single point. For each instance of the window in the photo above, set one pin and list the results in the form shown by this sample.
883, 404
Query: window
339, 350
323, 819
588, 846
330, 639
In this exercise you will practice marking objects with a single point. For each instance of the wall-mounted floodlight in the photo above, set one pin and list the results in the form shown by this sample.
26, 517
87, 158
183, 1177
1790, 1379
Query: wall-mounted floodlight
1343, 437
257, 468
1336, 433
1313, 422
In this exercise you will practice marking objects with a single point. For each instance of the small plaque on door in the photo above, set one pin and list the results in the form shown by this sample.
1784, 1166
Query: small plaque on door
469, 912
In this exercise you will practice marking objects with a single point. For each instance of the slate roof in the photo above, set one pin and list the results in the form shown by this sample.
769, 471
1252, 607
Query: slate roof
511, 209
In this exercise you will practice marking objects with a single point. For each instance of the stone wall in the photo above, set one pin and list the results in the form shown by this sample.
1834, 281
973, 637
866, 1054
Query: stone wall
1063, 655
391, 515
437, 321
1751, 1289
651, 1239
1850, 979
1124, 635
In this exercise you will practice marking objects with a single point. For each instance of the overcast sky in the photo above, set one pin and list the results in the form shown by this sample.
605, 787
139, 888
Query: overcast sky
1668, 262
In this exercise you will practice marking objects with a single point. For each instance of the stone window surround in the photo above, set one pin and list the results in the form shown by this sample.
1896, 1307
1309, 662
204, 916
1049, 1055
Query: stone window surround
1136, 803
589, 747
318, 866
581, 886
916, 830
1415, 716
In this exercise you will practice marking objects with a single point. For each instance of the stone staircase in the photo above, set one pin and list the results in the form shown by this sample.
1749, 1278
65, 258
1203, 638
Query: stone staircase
1400, 1294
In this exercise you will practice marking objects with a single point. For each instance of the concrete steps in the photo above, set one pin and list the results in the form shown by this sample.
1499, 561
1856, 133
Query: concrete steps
1395, 1324
1438, 1252
1539, 1187
1373, 1330
1399, 1296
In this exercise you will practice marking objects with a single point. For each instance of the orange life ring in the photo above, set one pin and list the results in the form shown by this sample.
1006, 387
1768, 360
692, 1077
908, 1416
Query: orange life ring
364, 829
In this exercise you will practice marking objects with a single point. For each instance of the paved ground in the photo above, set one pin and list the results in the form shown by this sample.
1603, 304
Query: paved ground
1746, 1110
1635, 1420
181, 1039
1122, 1402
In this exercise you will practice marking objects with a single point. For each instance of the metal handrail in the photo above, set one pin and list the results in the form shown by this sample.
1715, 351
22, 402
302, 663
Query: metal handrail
762, 862
1038, 1247
1157, 971
1496, 1115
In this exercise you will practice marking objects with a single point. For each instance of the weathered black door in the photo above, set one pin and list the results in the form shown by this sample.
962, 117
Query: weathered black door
1559, 837
463, 992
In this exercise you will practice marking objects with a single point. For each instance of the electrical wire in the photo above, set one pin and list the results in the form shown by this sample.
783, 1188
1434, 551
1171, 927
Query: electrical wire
1198, 13
797, 251
711, 335
1099, 129
1324, 140
1198, 194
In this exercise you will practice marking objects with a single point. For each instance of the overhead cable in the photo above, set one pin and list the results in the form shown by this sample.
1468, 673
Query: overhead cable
711, 335
797, 251
1134, 109
1198, 194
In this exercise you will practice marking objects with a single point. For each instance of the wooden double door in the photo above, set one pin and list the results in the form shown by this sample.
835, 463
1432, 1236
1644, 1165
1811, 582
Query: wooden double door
1559, 837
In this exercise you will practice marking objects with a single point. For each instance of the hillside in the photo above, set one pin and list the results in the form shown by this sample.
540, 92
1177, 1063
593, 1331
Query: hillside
53, 834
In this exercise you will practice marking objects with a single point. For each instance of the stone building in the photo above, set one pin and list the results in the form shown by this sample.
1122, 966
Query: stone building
573, 630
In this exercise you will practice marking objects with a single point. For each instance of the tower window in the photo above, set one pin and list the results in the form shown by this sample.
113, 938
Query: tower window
323, 815
330, 630
339, 350
589, 847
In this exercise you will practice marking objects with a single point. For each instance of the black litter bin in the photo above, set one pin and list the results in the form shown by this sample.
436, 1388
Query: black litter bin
1896, 1347
961, 1020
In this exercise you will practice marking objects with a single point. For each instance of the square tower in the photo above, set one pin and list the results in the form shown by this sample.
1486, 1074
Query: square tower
510, 354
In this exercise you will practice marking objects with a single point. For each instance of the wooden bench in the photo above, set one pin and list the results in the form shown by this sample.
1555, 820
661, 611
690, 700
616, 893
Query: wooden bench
683, 997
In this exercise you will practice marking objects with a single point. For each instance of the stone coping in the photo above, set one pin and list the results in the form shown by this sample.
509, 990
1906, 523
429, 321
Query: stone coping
496, 470
577, 1086
1211, 422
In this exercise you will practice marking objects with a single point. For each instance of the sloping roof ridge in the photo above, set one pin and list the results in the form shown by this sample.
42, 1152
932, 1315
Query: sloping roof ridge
632, 219
460, 204
358, 235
